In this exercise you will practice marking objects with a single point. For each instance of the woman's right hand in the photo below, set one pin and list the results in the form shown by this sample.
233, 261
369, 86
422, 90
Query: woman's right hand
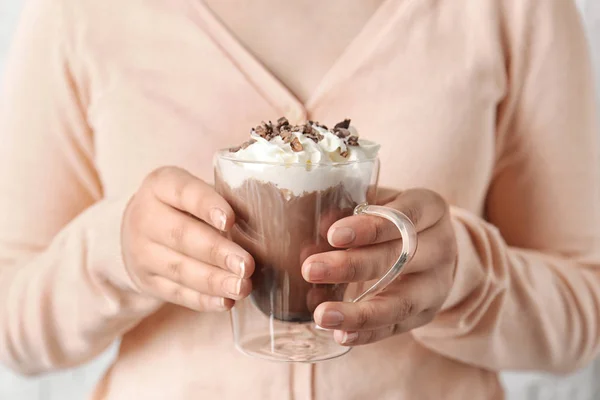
173, 247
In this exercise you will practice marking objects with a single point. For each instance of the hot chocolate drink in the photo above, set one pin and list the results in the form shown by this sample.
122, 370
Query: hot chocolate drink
287, 185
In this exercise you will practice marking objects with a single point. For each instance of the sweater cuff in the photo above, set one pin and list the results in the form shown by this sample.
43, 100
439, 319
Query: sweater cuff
474, 275
106, 263
468, 273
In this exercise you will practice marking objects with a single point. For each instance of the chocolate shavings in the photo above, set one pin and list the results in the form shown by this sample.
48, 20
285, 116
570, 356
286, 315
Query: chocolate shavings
296, 145
282, 128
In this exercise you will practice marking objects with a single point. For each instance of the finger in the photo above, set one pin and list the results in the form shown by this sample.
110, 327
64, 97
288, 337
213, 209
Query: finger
407, 298
355, 265
357, 338
196, 275
175, 293
423, 208
195, 239
310, 249
386, 195
372, 262
329, 217
183, 191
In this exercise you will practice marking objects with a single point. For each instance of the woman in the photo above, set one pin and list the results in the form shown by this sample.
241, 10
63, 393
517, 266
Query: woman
486, 105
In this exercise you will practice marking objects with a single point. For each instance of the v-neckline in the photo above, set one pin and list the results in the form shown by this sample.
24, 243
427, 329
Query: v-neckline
266, 82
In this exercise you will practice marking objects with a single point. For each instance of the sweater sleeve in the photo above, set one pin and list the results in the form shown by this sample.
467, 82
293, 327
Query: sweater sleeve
64, 292
527, 287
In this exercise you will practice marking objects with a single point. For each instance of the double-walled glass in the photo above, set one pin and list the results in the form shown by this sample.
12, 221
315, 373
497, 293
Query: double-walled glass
283, 213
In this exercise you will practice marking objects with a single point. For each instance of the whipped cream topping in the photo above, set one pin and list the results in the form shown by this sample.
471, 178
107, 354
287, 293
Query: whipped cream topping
303, 159
315, 144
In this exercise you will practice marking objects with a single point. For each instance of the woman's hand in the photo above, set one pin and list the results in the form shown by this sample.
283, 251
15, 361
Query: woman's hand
173, 248
373, 246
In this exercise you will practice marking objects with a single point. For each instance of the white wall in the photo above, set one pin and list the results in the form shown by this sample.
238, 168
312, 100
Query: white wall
9, 10
75, 384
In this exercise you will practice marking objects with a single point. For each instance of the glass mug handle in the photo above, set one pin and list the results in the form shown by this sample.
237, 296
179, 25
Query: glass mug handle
409, 245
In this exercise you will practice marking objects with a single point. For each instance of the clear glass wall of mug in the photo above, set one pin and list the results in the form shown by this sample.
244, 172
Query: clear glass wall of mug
283, 213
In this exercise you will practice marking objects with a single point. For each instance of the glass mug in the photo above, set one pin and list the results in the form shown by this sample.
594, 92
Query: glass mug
283, 213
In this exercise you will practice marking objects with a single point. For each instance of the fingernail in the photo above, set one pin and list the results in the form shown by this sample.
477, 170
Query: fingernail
217, 302
317, 271
233, 286
218, 218
236, 264
332, 318
349, 337
342, 236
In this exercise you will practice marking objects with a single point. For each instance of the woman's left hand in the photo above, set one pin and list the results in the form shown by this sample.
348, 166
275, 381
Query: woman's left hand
368, 248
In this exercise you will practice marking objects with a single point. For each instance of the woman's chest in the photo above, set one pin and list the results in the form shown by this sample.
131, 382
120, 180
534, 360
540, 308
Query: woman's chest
177, 97
286, 35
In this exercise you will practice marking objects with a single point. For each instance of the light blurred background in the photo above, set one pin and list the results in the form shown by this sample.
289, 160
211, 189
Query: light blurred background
76, 384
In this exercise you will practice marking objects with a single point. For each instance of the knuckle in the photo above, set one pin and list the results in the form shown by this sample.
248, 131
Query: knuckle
379, 230
373, 231
164, 179
177, 234
350, 270
153, 177
212, 282
159, 174
376, 230
413, 213
364, 316
176, 295
403, 309
174, 270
